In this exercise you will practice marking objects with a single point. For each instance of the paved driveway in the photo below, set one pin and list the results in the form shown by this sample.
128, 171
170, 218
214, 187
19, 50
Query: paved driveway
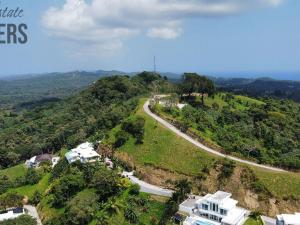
198, 144
33, 212
148, 188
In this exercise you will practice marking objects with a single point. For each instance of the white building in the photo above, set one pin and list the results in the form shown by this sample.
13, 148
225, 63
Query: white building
181, 106
84, 153
35, 161
213, 209
288, 219
11, 214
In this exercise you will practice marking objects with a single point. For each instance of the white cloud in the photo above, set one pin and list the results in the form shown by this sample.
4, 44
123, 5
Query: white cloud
105, 23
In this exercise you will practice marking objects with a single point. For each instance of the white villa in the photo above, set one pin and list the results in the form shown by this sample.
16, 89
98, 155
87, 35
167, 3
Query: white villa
84, 153
35, 161
288, 219
213, 209
11, 213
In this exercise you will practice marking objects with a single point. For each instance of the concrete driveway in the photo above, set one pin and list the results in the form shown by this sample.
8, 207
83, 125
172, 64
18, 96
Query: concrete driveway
33, 213
148, 188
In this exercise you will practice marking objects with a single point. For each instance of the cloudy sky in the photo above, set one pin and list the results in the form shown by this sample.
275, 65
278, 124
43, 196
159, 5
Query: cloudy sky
259, 37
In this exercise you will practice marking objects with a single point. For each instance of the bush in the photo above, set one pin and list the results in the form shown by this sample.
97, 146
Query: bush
121, 138
22, 220
36, 198
135, 127
130, 215
66, 187
134, 189
10, 200
32, 177
226, 168
106, 183
81, 209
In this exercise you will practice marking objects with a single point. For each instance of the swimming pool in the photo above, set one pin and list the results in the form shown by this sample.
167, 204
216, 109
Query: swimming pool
203, 223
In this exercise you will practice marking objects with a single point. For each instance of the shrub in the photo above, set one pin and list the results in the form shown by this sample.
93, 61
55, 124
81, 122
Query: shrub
134, 189
130, 215
32, 177
135, 127
121, 138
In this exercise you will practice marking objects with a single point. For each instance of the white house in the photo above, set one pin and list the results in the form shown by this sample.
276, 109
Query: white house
288, 219
181, 106
11, 213
84, 153
213, 209
35, 161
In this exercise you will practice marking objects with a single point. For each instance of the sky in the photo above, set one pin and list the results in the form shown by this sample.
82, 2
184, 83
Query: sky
214, 37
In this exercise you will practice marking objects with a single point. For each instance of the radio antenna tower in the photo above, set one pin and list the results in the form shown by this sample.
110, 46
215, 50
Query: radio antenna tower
154, 64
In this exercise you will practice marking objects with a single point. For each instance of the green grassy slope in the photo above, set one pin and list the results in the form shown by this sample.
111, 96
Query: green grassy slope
14, 172
163, 149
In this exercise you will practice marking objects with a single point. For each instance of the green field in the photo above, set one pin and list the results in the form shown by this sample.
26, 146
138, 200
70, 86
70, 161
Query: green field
280, 184
14, 172
29, 190
163, 149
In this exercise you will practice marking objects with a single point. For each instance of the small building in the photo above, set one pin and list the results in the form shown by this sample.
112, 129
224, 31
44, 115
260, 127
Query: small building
11, 213
84, 153
214, 209
288, 219
35, 161
181, 106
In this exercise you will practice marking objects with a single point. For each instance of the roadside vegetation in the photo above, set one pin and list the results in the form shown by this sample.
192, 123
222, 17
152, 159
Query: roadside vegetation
264, 130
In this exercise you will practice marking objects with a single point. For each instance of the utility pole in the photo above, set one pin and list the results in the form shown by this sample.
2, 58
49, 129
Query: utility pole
154, 64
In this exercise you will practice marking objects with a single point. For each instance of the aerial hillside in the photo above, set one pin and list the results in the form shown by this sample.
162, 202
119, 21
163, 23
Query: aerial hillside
89, 114
265, 130
28, 91
163, 158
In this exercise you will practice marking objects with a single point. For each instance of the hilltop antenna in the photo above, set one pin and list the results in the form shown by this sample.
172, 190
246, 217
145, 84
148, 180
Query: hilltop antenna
154, 64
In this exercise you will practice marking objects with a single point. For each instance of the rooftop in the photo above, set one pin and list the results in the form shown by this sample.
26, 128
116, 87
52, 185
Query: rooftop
191, 201
293, 219
220, 196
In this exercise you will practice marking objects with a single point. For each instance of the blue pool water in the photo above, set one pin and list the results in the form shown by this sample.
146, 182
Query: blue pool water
203, 223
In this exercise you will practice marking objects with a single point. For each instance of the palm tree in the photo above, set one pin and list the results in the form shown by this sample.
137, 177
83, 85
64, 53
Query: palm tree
102, 218
112, 207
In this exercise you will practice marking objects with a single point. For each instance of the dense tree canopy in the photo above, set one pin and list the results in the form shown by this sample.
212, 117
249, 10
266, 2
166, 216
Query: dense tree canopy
68, 122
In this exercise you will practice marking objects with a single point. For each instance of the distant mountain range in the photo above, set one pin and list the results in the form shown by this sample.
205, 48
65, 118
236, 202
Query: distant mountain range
29, 90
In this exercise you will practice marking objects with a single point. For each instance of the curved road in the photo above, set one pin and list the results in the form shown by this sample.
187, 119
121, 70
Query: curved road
148, 188
203, 147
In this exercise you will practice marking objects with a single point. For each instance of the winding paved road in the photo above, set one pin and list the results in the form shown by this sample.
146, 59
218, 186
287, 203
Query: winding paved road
203, 147
148, 188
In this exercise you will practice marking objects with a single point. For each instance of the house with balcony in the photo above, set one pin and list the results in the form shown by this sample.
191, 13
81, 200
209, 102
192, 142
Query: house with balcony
288, 219
84, 153
213, 209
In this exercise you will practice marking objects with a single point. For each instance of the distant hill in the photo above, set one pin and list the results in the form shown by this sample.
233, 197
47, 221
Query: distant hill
261, 87
28, 89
